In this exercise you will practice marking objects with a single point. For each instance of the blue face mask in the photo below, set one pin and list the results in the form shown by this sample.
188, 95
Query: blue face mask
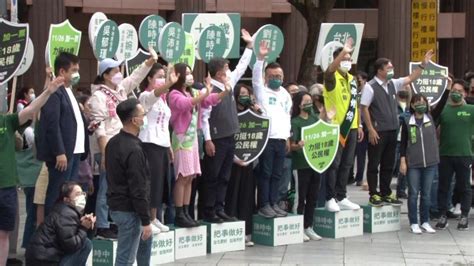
274, 84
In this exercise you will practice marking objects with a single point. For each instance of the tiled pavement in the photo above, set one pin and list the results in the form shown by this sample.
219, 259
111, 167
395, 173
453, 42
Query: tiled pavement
448, 247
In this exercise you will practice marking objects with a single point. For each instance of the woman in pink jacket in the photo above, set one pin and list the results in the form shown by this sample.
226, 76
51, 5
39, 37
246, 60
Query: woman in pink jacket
185, 103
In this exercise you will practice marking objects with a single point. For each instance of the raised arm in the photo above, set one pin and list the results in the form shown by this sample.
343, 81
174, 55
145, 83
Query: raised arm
329, 77
133, 81
417, 72
244, 61
257, 73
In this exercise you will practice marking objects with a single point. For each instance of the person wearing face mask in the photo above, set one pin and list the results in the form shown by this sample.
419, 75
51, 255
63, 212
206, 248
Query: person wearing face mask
110, 89
219, 124
62, 131
128, 182
340, 93
419, 157
379, 107
455, 149
155, 134
25, 96
276, 104
62, 238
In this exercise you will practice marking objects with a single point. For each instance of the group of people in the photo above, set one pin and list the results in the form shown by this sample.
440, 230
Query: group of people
118, 167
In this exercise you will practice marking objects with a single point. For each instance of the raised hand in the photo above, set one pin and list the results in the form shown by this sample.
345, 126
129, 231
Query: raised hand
348, 45
247, 38
55, 84
428, 57
173, 77
153, 53
263, 50
207, 82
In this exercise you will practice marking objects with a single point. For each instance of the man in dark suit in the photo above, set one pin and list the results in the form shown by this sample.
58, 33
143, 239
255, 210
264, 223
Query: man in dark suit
62, 135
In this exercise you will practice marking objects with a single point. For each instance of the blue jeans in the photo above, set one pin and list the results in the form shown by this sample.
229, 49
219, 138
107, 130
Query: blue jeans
420, 180
57, 178
434, 193
144, 252
79, 257
30, 216
129, 235
271, 163
101, 207
285, 180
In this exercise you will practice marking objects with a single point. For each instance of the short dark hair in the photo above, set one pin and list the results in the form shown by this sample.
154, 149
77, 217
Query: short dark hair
64, 61
127, 109
380, 63
238, 87
216, 65
363, 75
416, 98
273, 65
463, 83
291, 83
66, 190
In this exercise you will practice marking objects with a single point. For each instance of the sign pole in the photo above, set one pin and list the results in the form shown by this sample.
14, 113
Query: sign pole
13, 94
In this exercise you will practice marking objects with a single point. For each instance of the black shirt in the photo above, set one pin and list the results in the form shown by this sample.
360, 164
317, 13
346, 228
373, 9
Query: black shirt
128, 176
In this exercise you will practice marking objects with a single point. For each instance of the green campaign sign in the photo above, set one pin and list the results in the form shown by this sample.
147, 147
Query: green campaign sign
107, 40
212, 43
321, 141
253, 136
149, 31
63, 37
273, 36
195, 23
171, 42
14, 41
338, 32
188, 57
432, 83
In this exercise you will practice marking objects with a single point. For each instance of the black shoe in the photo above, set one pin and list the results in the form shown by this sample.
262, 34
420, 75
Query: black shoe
375, 200
106, 233
279, 211
451, 215
14, 262
351, 181
463, 224
181, 220
392, 200
225, 217
442, 223
190, 219
402, 195
213, 219
359, 183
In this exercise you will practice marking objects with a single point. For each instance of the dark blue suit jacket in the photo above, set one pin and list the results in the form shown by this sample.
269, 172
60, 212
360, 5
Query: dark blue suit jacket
57, 128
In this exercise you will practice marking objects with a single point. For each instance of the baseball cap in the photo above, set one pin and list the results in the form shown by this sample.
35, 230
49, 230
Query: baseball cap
106, 64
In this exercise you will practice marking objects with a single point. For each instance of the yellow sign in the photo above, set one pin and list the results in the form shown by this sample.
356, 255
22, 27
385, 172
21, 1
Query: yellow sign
424, 19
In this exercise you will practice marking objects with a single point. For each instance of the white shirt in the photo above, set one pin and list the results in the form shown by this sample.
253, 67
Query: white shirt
80, 135
368, 92
276, 105
235, 76
158, 116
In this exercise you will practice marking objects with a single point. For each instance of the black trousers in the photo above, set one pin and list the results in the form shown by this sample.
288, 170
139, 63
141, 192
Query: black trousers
309, 182
240, 197
216, 175
383, 154
461, 166
158, 162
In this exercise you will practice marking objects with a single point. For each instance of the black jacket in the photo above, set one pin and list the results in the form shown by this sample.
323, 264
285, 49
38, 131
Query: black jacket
128, 176
60, 234
57, 127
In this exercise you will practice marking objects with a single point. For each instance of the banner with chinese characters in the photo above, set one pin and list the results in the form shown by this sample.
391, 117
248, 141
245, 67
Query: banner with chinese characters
432, 83
253, 136
190, 242
96, 19
273, 36
149, 31
171, 42
277, 232
321, 141
195, 23
106, 40
424, 20
14, 41
128, 42
212, 43
162, 248
338, 32
63, 37
225, 237
189, 54
381, 219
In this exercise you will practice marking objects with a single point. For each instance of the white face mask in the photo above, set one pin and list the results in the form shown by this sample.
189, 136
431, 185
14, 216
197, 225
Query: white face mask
32, 97
145, 124
189, 80
80, 202
345, 66
117, 78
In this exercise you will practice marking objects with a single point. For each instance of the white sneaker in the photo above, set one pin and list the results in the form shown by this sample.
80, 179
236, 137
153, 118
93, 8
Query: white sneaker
248, 241
427, 228
311, 234
332, 206
305, 237
415, 229
155, 229
162, 227
457, 209
346, 204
